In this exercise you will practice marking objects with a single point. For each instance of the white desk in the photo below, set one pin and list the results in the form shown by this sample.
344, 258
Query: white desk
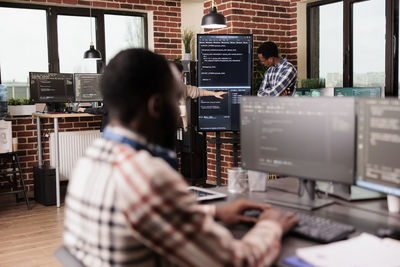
39, 141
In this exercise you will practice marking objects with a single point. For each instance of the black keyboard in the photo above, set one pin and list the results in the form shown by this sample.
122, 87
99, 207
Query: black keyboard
316, 228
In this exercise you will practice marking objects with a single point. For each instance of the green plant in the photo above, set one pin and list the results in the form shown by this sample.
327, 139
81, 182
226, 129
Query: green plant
313, 83
258, 76
18, 101
187, 38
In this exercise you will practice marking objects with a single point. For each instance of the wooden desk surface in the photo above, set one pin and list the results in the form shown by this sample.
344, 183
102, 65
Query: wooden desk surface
62, 115
366, 216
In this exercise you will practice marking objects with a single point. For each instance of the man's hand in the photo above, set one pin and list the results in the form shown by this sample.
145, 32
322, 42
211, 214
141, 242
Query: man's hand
285, 92
232, 213
286, 220
219, 94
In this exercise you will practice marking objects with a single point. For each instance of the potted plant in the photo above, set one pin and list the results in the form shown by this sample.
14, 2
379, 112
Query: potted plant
187, 38
20, 107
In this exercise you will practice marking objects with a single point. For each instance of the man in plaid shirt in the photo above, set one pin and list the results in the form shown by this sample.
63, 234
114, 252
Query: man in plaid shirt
281, 76
127, 206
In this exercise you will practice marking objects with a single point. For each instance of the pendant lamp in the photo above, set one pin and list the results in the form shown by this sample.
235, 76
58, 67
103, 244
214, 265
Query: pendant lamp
92, 53
213, 20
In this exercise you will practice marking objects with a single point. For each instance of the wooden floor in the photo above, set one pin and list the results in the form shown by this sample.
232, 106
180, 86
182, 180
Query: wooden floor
29, 237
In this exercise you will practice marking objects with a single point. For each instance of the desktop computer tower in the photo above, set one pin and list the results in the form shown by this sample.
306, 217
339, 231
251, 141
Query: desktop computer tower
45, 185
193, 151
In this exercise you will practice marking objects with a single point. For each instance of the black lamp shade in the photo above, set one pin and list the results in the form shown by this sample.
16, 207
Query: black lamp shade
92, 53
213, 20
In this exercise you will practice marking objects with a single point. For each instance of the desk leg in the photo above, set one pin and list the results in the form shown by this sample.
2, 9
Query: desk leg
57, 162
39, 141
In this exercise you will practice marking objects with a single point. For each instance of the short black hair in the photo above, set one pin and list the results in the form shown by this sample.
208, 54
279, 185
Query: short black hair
268, 49
179, 66
131, 78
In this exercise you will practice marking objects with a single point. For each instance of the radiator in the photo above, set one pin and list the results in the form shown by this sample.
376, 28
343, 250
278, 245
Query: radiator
71, 146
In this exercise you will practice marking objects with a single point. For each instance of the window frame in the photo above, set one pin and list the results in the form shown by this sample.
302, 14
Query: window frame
52, 39
391, 44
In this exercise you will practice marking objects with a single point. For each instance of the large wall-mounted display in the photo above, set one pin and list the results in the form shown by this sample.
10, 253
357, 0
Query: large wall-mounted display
224, 64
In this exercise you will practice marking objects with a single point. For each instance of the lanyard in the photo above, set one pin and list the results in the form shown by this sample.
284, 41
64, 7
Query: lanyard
168, 155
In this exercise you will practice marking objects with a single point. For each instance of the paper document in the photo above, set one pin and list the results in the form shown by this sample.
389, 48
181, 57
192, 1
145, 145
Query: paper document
365, 250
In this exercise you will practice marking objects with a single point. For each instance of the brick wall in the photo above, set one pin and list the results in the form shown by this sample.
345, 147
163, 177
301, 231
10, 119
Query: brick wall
267, 20
24, 128
166, 18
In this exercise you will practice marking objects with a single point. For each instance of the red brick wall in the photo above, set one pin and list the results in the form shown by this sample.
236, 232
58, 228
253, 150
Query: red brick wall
267, 20
24, 128
166, 17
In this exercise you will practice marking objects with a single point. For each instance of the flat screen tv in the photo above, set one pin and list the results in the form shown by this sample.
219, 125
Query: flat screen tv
224, 64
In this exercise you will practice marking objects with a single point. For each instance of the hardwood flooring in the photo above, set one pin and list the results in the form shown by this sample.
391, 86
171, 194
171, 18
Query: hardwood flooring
29, 237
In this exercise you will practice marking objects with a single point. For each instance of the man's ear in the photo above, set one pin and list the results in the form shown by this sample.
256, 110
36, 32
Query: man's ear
154, 105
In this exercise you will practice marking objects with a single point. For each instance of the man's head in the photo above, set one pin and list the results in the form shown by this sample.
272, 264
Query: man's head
142, 92
267, 52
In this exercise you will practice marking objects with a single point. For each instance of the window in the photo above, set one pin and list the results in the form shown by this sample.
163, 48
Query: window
72, 44
355, 41
123, 32
54, 39
369, 44
326, 43
23, 47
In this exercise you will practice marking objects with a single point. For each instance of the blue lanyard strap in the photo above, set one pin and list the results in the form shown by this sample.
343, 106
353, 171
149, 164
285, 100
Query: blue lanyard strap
158, 151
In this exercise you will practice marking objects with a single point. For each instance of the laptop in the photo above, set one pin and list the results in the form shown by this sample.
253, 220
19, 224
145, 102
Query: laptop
203, 194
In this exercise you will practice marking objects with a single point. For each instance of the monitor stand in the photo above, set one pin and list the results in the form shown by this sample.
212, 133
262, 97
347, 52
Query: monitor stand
305, 199
348, 192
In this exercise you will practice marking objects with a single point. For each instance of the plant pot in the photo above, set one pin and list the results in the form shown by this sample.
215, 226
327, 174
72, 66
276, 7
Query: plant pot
187, 56
22, 110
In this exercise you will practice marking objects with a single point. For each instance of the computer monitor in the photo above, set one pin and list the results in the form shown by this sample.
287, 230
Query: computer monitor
358, 91
378, 145
317, 92
51, 87
87, 87
224, 64
309, 138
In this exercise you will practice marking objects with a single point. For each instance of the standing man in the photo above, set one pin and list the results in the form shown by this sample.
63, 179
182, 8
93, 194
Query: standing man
126, 206
281, 76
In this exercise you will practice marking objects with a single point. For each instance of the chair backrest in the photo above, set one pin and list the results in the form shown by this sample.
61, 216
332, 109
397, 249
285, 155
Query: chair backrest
66, 258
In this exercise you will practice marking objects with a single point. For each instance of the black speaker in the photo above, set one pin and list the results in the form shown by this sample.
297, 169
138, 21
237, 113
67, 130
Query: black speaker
189, 72
45, 185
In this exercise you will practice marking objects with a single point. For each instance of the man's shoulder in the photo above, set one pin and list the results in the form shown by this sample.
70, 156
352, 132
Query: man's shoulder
288, 64
143, 162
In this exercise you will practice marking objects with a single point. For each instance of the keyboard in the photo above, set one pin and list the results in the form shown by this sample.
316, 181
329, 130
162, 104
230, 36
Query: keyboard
316, 228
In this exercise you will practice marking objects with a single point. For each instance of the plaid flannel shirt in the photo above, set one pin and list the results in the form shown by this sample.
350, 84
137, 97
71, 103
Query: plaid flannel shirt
125, 207
278, 78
